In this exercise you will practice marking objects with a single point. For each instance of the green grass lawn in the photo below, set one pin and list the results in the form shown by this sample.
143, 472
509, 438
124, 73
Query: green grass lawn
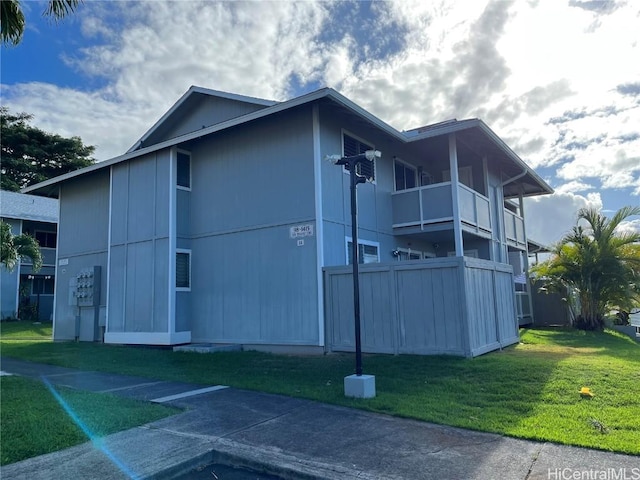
34, 422
529, 390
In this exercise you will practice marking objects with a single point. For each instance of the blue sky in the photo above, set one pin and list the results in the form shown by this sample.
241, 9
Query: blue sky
559, 81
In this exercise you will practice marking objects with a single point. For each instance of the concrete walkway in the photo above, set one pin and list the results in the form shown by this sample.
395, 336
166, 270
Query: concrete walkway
294, 438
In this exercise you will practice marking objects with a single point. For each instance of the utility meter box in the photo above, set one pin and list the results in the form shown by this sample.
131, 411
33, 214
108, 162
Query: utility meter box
84, 288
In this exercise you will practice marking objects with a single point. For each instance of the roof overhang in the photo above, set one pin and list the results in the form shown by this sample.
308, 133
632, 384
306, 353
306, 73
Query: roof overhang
473, 131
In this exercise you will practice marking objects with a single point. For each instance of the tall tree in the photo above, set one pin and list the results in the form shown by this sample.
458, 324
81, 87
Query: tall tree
14, 247
12, 18
30, 155
599, 264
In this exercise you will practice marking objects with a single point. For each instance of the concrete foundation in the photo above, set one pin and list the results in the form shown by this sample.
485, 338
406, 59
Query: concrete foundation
363, 386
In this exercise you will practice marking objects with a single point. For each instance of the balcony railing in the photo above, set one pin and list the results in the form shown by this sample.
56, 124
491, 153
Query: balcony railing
48, 257
432, 204
514, 229
475, 209
422, 205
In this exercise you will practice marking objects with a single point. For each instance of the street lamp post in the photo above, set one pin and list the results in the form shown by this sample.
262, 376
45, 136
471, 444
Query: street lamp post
362, 385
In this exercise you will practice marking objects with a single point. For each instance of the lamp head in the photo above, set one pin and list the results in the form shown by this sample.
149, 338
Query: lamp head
372, 154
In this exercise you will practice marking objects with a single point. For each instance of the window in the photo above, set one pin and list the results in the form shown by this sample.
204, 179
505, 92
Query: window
183, 269
183, 177
408, 254
467, 253
367, 252
42, 285
405, 175
465, 176
46, 239
352, 146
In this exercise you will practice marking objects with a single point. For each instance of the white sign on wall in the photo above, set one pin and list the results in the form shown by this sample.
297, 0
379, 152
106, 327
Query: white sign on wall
301, 231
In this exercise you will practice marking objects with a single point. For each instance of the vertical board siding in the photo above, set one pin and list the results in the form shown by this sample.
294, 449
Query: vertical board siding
438, 306
82, 243
251, 282
139, 269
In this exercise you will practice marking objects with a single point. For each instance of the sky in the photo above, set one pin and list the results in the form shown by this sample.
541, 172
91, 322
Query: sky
558, 81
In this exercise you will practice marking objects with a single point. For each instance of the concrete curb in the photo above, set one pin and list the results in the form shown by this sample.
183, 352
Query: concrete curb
273, 461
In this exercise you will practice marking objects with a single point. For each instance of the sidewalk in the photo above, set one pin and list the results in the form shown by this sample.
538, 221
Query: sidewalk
294, 438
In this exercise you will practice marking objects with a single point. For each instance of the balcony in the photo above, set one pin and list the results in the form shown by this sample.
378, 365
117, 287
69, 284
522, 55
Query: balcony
427, 206
514, 230
48, 257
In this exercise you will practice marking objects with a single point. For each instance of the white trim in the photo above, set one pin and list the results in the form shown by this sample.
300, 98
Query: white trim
182, 187
148, 338
171, 309
453, 168
295, 102
19, 265
190, 393
317, 174
55, 271
424, 222
344, 132
205, 91
108, 285
360, 242
188, 252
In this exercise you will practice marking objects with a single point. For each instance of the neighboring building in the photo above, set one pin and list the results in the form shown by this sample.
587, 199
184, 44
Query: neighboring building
223, 224
23, 290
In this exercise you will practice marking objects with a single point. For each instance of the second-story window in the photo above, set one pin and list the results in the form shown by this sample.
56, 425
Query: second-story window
183, 176
405, 175
46, 239
352, 146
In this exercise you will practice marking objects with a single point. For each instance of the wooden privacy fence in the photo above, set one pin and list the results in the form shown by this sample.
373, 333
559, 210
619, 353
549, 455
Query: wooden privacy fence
454, 305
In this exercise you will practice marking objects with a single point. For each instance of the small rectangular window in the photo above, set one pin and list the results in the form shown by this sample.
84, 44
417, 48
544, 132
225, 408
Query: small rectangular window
405, 175
46, 239
352, 146
42, 285
183, 177
367, 253
183, 270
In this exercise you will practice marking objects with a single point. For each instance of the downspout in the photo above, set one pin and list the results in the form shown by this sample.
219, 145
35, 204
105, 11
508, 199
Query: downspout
513, 179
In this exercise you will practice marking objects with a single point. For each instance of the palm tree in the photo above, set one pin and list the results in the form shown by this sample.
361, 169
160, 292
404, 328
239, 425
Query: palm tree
598, 264
15, 247
12, 19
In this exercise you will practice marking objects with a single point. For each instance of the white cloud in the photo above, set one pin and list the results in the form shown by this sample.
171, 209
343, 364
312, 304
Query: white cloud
556, 81
629, 226
550, 217
151, 56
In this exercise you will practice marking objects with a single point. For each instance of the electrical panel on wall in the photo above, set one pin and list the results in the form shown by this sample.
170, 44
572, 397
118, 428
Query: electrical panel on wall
84, 288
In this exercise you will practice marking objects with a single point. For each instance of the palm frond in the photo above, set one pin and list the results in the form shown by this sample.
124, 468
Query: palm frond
58, 9
11, 22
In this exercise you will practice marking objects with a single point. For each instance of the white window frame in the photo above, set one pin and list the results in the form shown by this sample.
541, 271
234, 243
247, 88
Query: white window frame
175, 280
369, 243
361, 140
416, 177
182, 187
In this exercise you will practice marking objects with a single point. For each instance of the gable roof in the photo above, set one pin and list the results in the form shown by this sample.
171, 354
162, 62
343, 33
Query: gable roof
475, 129
28, 207
188, 95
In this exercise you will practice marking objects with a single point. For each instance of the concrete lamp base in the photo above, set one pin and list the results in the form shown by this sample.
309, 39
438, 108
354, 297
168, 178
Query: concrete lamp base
363, 386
